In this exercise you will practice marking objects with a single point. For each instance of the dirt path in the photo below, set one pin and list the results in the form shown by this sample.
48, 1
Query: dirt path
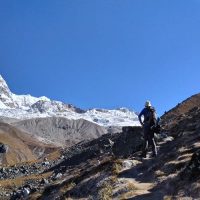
140, 182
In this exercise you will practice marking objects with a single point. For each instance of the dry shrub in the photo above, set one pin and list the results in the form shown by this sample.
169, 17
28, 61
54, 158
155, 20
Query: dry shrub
131, 186
67, 187
117, 167
167, 198
106, 192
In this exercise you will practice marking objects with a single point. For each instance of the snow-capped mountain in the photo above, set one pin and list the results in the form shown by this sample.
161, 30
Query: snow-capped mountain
27, 107
11, 101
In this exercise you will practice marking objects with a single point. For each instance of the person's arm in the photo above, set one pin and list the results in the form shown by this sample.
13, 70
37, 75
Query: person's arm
140, 117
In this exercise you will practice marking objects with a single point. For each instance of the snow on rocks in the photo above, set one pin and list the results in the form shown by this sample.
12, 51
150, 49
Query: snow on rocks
27, 107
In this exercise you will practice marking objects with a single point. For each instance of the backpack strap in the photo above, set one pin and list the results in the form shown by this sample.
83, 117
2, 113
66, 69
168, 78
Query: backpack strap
153, 117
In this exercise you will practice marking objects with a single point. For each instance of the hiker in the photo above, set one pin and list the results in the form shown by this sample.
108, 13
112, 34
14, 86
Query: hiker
149, 120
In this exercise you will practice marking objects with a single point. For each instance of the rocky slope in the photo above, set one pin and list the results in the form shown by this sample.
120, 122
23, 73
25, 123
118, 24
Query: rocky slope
174, 115
82, 159
61, 131
117, 172
110, 167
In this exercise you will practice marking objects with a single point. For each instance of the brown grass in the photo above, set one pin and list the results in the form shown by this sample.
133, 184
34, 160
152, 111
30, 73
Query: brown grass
54, 155
17, 152
20, 145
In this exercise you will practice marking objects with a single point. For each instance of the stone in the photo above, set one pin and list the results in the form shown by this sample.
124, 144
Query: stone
3, 148
44, 181
46, 163
127, 164
59, 175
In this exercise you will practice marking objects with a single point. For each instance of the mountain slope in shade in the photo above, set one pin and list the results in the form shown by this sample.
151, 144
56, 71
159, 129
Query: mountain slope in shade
28, 107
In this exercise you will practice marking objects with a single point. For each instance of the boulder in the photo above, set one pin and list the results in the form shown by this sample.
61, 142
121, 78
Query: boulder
3, 148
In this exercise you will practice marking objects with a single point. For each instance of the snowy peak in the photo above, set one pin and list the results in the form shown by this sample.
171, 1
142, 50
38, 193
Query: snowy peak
27, 107
44, 106
4, 89
8, 100
5, 95
26, 101
2, 81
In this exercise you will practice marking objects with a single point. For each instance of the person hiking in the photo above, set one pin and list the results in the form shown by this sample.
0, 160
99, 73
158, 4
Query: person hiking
147, 118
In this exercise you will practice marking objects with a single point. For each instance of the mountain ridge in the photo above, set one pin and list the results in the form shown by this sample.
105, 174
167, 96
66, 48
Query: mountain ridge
27, 107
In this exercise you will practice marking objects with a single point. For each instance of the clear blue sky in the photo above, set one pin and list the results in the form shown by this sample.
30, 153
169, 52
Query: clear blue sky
102, 53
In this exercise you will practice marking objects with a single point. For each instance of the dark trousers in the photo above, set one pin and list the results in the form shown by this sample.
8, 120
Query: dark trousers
149, 140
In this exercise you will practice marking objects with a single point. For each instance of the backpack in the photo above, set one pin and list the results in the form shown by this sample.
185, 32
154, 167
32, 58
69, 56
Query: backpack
151, 116
157, 127
155, 121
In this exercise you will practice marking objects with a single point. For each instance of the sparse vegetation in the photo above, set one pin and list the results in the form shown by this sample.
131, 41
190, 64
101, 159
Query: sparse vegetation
168, 198
67, 187
105, 192
117, 167
131, 186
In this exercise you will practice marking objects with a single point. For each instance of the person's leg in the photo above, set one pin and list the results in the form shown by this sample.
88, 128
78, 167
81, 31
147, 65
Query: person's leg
145, 148
154, 148
146, 142
153, 144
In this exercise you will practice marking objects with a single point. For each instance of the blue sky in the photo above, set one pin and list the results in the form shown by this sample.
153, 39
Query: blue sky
102, 53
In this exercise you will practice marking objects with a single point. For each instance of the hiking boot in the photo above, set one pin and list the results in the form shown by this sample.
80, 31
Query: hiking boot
154, 155
143, 155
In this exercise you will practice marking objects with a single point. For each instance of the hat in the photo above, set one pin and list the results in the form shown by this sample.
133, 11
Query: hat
147, 104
